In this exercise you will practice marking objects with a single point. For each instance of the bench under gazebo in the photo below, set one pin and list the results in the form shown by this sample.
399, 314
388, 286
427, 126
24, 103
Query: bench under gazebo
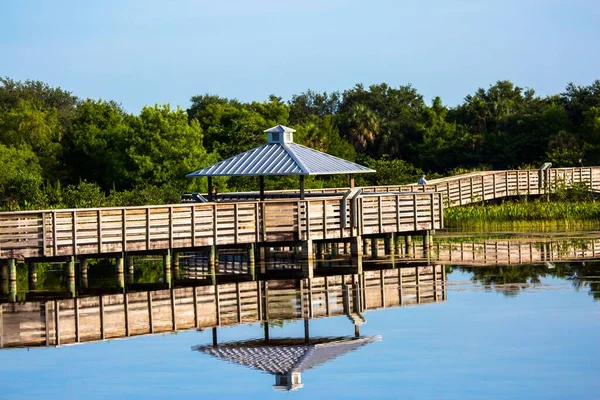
280, 156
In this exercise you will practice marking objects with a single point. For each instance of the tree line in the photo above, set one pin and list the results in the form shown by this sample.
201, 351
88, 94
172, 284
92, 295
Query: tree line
58, 150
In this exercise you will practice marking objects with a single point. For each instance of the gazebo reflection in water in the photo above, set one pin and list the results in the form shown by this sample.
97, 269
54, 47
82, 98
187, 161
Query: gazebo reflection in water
287, 358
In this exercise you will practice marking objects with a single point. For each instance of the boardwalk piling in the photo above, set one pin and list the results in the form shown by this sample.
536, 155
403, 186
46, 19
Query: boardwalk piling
356, 253
167, 268
70, 267
120, 269
12, 280
32, 276
308, 262
130, 270
251, 261
175, 265
374, 248
83, 271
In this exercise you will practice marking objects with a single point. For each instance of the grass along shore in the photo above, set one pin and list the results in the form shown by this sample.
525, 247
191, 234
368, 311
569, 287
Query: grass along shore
522, 211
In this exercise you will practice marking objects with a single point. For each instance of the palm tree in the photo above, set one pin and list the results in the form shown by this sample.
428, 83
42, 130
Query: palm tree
363, 126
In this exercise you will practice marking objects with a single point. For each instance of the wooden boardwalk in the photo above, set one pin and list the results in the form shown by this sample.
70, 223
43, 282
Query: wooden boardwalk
57, 322
379, 210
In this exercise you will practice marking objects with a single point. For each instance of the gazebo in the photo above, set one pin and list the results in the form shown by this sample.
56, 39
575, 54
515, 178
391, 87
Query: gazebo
281, 156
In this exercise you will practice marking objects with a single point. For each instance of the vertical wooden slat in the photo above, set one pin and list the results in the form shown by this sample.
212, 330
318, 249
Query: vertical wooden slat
102, 330
195, 299
54, 238
173, 312
259, 299
44, 234
99, 226
472, 191
148, 228
76, 315
432, 209
47, 322
460, 196
74, 231
215, 224
150, 319
417, 285
380, 214
256, 223
235, 223
264, 221
483, 187
307, 208
193, 209
415, 212
441, 210
435, 295
266, 298
238, 302
400, 289
324, 204
327, 307
126, 310
382, 284
124, 229
170, 227
217, 305
56, 322
397, 213
494, 184
310, 301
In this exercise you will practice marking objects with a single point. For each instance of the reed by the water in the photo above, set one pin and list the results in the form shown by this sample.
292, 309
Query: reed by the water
527, 211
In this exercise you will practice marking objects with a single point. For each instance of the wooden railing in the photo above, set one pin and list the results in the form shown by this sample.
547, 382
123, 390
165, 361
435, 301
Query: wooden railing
56, 322
472, 187
383, 209
53, 233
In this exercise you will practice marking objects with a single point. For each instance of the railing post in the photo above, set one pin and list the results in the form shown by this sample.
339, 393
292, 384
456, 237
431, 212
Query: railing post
415, 212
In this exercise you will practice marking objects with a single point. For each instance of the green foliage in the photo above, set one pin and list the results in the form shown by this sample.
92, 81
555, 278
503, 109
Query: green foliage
20, 178
389, 172
57, 150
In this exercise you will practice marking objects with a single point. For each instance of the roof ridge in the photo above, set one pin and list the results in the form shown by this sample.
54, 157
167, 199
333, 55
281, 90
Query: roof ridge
291, 153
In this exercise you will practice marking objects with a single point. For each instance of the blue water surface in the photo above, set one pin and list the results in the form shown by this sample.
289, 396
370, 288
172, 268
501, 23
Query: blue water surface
540, 344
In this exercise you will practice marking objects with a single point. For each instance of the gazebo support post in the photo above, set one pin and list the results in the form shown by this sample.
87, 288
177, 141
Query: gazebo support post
351, 181
301, 187
210, 184
261, 180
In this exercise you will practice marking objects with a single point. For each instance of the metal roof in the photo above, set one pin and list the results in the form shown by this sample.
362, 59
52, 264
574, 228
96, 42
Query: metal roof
277, 357
285, 158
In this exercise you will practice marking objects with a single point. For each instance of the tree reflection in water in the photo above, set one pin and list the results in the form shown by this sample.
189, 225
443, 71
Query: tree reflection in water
510, 280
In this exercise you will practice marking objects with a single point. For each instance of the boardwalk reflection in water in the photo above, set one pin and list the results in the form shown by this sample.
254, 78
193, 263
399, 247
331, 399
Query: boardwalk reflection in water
256, 325
82, 319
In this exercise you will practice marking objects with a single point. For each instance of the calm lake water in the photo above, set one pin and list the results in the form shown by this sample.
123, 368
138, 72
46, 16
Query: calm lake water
499, 331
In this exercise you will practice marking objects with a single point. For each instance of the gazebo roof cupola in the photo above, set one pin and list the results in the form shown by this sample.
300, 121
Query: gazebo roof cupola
280, 134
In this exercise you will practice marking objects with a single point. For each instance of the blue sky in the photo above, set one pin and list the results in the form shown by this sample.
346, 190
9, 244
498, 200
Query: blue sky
142, 52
